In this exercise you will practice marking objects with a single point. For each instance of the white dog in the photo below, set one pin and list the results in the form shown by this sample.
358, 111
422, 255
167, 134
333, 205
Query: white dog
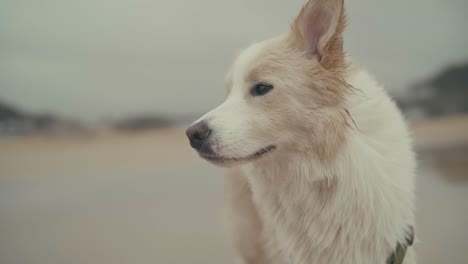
321, 168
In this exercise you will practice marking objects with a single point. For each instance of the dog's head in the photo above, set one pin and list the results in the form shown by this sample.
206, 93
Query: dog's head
285, 94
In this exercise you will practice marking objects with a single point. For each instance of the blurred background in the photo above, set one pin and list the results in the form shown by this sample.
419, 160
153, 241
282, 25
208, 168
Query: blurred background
95, 94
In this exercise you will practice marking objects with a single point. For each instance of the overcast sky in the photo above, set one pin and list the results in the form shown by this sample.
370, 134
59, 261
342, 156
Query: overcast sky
95, 59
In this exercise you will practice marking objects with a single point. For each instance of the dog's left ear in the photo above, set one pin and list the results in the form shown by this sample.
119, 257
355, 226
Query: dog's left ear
318, 30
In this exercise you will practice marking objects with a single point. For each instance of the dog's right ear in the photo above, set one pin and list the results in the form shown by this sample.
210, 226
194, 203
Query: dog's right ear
318, 28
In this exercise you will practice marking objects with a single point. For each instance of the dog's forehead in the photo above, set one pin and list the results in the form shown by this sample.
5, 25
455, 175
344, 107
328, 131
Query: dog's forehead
241, 68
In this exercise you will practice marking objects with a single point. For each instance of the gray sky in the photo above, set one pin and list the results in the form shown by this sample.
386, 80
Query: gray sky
95, 59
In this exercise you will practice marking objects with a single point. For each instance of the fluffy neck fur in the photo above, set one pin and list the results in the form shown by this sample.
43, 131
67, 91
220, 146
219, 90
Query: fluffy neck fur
353, 209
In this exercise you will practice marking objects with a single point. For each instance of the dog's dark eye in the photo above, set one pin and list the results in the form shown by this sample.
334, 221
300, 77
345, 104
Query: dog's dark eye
261, 89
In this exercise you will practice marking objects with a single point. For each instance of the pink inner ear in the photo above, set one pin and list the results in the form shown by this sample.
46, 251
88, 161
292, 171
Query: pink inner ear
318, 23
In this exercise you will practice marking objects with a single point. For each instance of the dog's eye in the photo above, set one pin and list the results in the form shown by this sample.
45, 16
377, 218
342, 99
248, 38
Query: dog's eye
261, 89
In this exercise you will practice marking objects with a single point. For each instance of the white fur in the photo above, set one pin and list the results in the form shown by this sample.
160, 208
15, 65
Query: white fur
372, 207
352, 209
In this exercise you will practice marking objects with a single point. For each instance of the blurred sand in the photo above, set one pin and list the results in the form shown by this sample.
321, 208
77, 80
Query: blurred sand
46, 155
147, 198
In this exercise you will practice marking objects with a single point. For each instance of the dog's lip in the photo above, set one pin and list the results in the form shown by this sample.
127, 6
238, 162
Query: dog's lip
256, 155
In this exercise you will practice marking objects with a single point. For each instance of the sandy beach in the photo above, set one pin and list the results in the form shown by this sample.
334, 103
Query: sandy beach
147, 198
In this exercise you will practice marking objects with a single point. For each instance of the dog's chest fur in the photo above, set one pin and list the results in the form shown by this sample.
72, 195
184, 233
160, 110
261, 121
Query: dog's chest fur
354, 209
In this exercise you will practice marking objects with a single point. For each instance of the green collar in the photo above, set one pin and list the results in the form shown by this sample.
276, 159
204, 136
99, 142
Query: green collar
398, 255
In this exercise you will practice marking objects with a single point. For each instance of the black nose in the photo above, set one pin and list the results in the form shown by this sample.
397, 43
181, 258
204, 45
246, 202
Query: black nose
197, 134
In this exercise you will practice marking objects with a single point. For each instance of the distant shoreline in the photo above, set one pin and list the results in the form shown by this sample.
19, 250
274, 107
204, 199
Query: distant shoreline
107, 148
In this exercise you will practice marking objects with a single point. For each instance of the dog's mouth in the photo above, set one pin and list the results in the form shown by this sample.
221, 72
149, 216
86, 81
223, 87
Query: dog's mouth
220, 160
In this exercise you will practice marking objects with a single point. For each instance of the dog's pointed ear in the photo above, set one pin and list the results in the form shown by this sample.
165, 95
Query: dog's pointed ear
318, 28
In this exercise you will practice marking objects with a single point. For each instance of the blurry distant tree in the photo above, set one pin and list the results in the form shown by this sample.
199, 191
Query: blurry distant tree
140, 123
14, 122
445, 94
